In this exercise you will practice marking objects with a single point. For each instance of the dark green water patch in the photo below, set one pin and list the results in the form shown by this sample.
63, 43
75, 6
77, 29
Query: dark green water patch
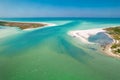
73, 51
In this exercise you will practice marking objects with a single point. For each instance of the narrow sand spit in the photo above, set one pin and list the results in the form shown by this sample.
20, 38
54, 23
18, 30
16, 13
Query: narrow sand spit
83, 35
48, 25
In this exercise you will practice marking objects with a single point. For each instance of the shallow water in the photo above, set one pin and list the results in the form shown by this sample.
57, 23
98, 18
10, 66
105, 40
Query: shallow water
50, 54
101, 38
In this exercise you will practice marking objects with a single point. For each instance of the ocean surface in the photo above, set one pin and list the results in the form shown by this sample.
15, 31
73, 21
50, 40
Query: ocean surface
49, 53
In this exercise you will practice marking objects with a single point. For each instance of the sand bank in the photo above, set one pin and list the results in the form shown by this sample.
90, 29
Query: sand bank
83, 35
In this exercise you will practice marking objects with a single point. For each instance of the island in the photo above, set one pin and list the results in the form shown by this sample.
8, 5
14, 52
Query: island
22, 25
107, 38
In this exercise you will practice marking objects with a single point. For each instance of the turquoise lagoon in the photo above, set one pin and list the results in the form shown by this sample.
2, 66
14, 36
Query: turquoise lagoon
49, 53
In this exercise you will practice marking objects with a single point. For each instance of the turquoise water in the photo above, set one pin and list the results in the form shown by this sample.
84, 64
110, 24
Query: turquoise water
50, 54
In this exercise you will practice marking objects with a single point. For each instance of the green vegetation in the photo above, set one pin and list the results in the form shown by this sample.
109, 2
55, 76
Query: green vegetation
115, 34
21, 25
2, 23
115, 46
118, 50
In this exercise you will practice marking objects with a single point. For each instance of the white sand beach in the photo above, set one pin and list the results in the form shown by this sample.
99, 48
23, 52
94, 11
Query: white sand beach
83, 35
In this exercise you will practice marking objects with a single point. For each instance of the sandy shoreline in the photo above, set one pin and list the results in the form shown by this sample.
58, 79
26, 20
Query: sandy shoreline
107, 50
48, 25
83, 36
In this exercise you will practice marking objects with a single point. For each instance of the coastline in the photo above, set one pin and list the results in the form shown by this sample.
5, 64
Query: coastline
83, 36
108, 51
25, 25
